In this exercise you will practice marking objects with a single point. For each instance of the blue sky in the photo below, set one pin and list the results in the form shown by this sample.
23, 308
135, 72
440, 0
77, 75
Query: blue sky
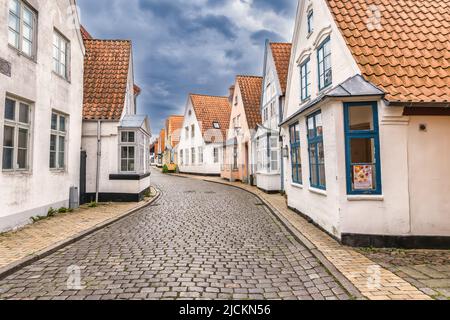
183, 46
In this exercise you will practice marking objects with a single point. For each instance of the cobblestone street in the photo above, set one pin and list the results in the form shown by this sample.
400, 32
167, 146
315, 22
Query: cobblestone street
199, 240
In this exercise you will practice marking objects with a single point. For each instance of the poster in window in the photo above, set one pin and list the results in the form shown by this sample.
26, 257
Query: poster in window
363, 177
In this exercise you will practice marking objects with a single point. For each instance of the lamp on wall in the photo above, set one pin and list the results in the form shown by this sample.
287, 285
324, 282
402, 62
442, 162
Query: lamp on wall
286, 152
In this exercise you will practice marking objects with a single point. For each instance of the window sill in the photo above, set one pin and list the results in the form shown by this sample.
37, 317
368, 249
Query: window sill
318, 191
21, 54
128, 177
58, 171
61, 77
365, 198
17, 172
298, 186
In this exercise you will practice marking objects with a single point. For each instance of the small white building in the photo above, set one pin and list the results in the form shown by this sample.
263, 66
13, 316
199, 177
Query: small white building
267, 147
41, 99
206, 121
366, 122
115, 141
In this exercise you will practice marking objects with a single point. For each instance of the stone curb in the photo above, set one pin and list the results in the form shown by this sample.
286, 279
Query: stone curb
348, 286
15, 266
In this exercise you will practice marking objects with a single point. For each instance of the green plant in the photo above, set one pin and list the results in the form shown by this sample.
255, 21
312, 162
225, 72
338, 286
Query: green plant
93, 204
51, 212
147, 193
38, 218
165, 169
63, 210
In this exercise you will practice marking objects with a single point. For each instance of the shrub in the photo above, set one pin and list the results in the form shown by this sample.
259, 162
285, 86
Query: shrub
93, 204
165, 169
63, 210
51, 212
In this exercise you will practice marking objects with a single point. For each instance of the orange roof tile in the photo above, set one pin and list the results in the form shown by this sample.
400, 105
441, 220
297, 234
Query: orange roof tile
162, 140
407, 52
210, 109
106, 66
251, 90
174, 123
85, 34
281, 53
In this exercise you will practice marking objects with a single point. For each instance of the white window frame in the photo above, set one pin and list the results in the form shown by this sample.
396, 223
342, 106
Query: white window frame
193, 156
59, 134
200, 155
61, 51
216, 155
127, 143
22, 25
17, 125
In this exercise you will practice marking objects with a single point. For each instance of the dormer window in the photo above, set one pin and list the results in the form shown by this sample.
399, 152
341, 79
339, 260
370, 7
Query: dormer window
310, 22
216, 125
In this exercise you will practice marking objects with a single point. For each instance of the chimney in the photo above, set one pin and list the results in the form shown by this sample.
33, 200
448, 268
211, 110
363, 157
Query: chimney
231, 94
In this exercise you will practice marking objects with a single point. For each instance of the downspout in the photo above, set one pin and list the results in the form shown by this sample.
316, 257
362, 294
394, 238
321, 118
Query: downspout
280, 107
99, 154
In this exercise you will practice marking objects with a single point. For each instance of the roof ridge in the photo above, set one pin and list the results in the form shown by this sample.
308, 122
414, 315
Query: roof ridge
289, 43
207, 95
247, 76
109, 40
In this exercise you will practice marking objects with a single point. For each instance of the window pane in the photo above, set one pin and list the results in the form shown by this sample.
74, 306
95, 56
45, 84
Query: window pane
62, 144
319, 126
13, 22
124, 165
23, 138
312, 154
361, 118
62, 123
52, 159
22, 158
26, 47
314, 177
130, 152
54, 121
124, 152
321, 153
7, 163
52, 142
14, 6
131, 137
13, 39
27, 33
61, 160
27, 16
364, 177
362, 151
8, 137
322, 179
124, 137
311, 129
24, 112
131, 165
10, 109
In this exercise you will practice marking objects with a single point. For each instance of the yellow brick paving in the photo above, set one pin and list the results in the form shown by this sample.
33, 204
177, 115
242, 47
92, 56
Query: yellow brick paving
372, 280
45, 233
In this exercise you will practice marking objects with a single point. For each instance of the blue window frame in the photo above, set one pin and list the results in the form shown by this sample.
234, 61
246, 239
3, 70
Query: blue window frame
324, 64
305, 79
316, 151
296, 159
310, 22
362, 145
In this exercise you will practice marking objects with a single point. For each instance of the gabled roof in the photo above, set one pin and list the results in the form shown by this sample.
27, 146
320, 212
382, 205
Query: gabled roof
106, 67
174, 123
162, 140
406, 53
281, 53
251, 90
210, 109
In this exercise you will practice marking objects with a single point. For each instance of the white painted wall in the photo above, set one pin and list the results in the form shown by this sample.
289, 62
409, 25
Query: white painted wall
32, 193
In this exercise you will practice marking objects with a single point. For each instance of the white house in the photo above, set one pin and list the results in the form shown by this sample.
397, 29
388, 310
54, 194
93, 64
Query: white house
206, 120
41, 99
267, 146
367, 119
115, 141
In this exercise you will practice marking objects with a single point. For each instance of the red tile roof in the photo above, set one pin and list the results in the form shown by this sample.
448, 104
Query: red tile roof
406, 52
210, 109
281, 53
173, 127
251, 90
106, 66
162, 140
85, 34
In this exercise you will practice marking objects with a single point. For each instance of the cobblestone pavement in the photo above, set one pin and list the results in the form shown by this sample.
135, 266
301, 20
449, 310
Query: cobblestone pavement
198, 241
428, 270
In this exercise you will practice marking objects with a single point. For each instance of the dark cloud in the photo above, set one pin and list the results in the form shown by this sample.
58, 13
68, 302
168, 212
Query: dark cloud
189, 46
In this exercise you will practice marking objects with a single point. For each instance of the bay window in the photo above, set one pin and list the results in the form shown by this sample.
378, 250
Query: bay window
296, 160
267, 148
16, 135
316, 151
22, 23
58, 141
127, 151
324, 64
362, 148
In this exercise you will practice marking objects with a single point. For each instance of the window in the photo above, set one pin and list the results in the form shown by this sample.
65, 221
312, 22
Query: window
296, 160
273, 110
216, 125
193, 155
22, 27
235, 155
274, 152
362, 148
200, 155
310, 22
305, 74
186, 130
16, 135
181, 158
266, 114
316, 151
186, 152
193, 131
60, 55
127, 151
58, 141
324, 64
216, 155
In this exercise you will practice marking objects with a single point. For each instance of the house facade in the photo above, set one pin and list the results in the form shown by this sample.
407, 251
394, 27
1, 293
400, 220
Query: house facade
115, 140
41, 99
173, 129
365, 121
267, 147
239, 164
203, 133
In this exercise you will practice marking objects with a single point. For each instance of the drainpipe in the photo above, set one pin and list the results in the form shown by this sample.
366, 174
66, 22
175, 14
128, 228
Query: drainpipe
99, 154
280, 107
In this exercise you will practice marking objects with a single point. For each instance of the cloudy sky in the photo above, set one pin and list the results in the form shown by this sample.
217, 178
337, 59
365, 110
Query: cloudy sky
183, 46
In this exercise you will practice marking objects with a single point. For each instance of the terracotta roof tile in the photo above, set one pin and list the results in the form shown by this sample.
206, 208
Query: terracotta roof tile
85, 34
174, 123
408, 55
282, 55
210, 109
251, 90
162, 140
106, 66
